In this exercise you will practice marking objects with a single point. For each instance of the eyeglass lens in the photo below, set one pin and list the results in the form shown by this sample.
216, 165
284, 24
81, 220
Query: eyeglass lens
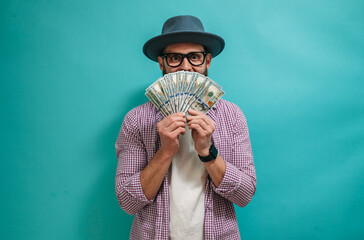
175, 59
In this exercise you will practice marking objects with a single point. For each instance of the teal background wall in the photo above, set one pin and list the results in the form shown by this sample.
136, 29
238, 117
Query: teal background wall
71, 70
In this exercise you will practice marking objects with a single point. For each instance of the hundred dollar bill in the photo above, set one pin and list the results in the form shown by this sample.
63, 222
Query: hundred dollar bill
156, 103
180, 91
165, 85
189, 91
196, 86
174, 86
157, 89
185, 81
180, 84
208, 97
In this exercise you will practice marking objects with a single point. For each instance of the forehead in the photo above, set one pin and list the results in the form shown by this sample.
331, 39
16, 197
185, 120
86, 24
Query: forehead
184, 48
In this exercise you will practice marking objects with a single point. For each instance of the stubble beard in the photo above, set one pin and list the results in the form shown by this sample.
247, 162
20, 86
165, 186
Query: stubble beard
204, 72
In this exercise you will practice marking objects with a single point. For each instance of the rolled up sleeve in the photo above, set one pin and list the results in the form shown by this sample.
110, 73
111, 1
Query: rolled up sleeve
236, 186
239, 182
132, 158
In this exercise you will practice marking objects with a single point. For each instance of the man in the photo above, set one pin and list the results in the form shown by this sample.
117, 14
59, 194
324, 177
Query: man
180, 175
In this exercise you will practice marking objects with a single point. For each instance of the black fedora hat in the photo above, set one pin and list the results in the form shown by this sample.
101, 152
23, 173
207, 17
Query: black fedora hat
181, 29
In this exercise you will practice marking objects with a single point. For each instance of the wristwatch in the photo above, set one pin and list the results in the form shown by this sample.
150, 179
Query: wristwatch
212, 154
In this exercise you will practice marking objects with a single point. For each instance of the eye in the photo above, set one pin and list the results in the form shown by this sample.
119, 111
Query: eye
174, 57
195, 56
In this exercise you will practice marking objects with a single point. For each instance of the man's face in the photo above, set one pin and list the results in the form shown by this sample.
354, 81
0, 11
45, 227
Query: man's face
185, 48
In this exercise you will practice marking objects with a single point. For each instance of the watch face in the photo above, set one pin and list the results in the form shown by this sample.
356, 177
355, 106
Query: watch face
213, 151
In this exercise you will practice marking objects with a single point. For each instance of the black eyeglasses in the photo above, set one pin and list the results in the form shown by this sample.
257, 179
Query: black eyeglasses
176, 59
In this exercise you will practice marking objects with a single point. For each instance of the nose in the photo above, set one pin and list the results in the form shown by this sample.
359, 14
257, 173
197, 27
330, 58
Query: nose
185, 65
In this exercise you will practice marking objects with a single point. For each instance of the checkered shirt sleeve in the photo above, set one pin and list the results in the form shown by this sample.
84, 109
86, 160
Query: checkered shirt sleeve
239, 182
132, 158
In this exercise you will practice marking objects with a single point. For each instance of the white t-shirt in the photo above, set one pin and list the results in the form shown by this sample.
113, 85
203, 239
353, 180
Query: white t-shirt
187, 177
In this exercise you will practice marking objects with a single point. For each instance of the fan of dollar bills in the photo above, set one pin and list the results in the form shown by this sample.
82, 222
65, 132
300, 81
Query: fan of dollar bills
180, 91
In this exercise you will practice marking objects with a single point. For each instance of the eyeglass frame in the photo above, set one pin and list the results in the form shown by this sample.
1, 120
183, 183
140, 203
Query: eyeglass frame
186, 56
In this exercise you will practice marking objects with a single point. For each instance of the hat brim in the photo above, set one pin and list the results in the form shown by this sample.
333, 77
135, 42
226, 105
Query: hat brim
213, 43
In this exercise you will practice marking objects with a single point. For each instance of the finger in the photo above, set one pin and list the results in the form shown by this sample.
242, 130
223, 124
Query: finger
170, 119
175, 133
200, 122
179, 131
179, 114
200, 131
175, 125
175, 119
172, 136
203, 121
194, 112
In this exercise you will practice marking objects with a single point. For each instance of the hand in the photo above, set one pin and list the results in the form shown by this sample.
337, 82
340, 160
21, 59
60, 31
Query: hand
202, 128
169, 129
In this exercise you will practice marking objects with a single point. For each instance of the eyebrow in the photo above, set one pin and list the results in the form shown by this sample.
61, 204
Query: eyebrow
204, 50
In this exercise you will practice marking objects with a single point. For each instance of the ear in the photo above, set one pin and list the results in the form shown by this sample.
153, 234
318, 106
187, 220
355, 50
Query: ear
160, 61
208, 60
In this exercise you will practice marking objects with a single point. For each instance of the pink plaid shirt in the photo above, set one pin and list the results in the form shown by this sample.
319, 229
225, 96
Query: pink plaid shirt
137, 143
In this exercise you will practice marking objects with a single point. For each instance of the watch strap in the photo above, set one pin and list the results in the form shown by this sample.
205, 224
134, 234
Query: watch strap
212, 154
